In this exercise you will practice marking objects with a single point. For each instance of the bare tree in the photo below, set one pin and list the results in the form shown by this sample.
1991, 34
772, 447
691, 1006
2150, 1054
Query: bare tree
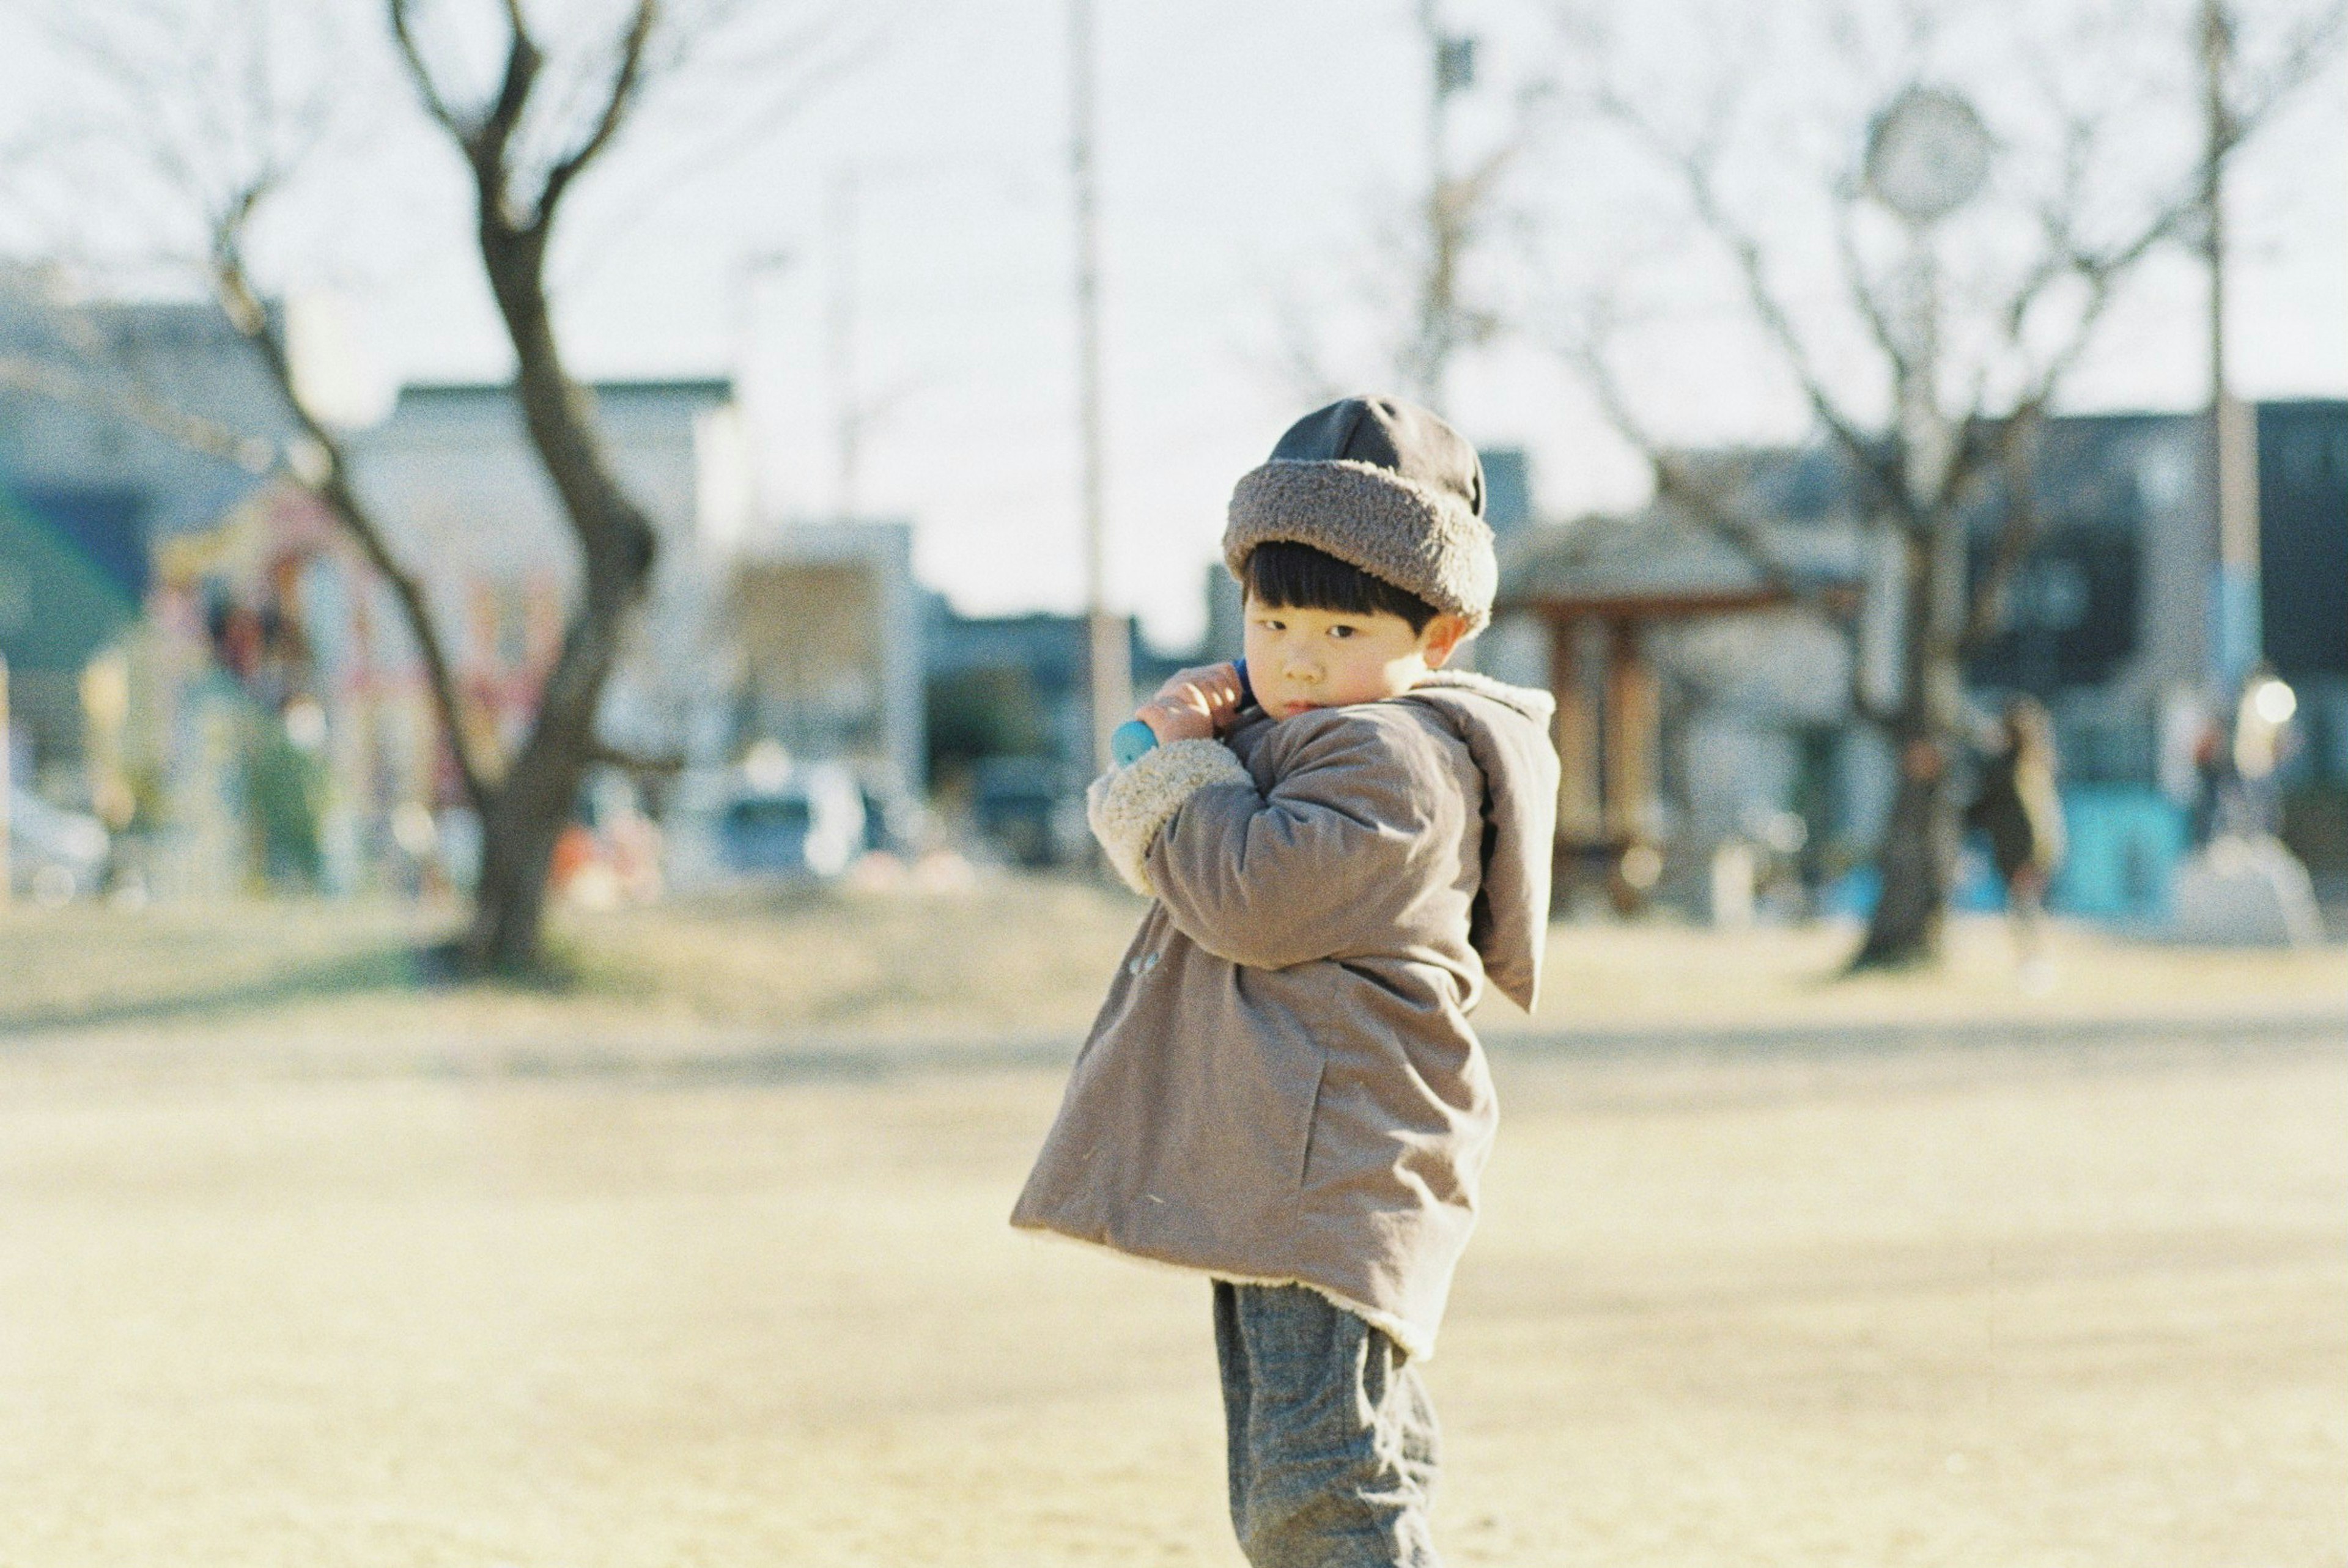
1952, 428
227, 121
518, 194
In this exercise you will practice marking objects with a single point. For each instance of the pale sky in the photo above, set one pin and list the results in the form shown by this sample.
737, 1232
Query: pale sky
1249, 151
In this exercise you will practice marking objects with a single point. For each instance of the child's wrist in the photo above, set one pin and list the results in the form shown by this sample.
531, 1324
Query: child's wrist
1170, 724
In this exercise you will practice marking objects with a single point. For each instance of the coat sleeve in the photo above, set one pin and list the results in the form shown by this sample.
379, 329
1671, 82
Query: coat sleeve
1127, 807
1330, 863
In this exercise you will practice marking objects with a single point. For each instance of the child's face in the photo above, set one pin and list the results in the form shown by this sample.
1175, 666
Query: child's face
1300, 660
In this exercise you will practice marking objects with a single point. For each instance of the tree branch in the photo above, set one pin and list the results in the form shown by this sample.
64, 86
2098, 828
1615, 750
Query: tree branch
1694, 167
1677, 482
2312, 46
1862, 287
493, 131
2015, 444
2003, 443
329, 481
2101, 271
628, 78
427, 90
1672, 478
58, 384
656, 764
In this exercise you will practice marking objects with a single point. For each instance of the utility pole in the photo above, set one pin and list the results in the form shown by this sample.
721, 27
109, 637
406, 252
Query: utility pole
7, 783
1109, 665
2233, 451
753, 269
1452, 69
841, 329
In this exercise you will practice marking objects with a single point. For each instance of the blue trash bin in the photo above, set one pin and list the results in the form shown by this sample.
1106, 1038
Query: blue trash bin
2126, 841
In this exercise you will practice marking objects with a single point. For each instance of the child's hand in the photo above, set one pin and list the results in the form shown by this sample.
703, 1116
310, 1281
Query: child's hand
1194, 706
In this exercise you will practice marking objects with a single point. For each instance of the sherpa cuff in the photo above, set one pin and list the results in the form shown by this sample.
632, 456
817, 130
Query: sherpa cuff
1127, 807
1394, 528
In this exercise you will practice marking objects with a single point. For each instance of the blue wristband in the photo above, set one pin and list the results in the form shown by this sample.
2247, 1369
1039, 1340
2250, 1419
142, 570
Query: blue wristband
1130, 742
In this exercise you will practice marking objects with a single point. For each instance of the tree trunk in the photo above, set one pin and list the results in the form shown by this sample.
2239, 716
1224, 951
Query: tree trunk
533, 803
1917, 858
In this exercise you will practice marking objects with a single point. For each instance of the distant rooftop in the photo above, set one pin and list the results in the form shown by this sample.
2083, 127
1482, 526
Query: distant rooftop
714, 389
1660, 560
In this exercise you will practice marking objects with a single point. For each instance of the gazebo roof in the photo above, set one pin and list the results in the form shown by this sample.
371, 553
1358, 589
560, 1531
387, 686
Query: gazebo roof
1661, 561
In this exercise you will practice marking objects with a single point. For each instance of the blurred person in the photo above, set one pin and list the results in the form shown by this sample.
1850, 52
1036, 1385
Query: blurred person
2213, 772
2017, 806
2186, 759
1344, 842
285, 794
2263, 742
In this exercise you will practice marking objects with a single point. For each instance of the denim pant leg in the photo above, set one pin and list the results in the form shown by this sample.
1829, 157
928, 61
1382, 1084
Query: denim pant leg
1331, 1438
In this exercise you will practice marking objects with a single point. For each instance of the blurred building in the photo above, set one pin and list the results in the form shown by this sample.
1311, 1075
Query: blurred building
815, 626
1701, 704
73, 577
2303, 593
1507, 490
199, 656
1009, 722
86, 489
127, 429
453, 477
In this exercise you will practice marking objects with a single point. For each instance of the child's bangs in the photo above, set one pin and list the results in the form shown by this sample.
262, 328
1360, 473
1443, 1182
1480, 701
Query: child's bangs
1283, 575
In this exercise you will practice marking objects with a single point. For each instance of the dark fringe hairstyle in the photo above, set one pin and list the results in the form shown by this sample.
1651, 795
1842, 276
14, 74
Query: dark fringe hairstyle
1280, 574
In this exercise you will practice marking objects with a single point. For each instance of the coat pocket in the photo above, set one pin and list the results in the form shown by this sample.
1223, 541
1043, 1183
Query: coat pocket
1304, 1165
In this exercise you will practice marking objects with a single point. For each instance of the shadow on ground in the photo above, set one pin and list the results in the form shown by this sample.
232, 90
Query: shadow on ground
393, 967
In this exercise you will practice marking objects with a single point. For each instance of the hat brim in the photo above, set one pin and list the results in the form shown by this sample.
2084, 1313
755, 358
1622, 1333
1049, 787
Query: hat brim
1403, 533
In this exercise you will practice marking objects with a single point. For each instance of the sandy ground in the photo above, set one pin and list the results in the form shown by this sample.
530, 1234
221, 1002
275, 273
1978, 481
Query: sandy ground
334, 987
1922, 1306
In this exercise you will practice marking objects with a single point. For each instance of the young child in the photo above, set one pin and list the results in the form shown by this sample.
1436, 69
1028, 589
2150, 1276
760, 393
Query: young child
1283, 1090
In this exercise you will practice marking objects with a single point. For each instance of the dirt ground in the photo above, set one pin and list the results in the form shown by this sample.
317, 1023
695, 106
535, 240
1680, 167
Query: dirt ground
2057, 1306
1019, 961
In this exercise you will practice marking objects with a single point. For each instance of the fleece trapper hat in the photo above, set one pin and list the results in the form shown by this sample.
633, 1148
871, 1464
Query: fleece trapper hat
1383, 486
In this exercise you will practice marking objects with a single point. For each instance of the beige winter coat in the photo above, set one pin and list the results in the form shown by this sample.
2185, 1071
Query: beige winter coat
1284, 1085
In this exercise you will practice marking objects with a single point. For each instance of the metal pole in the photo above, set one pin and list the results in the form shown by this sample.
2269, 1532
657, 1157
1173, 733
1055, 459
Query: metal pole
847, 415
1430, 25
1438, 288
2233, 481
1108, 663
7, 784
1436, 305
757, 264
1925, 435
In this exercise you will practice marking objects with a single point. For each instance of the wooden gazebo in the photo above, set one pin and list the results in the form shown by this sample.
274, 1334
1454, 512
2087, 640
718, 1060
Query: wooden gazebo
1597, 587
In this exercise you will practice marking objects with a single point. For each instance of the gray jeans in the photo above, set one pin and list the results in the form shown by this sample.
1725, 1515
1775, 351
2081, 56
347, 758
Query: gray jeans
1333, 1440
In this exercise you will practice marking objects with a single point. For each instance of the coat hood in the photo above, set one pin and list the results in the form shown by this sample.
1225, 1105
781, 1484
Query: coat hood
1507, 731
